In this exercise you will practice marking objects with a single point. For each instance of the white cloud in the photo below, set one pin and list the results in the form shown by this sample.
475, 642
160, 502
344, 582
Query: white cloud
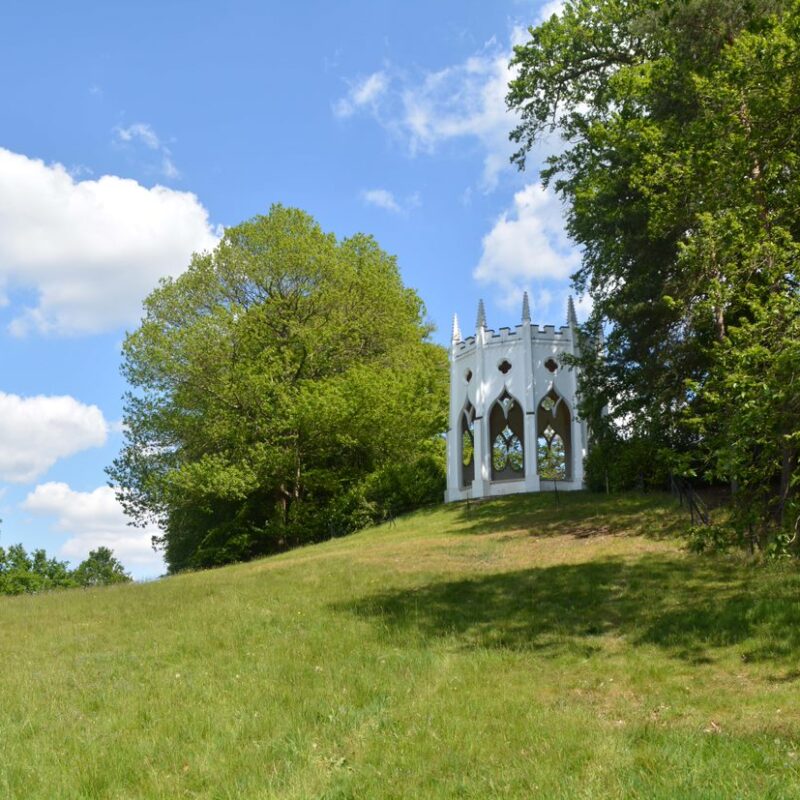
78, 171
464, 100
143, 133
527, 245
94, 519
36, 431
542, 301
461, 101
168, 167
139, 131
548, 9
364, 93
383, 198
92, 249
583, 306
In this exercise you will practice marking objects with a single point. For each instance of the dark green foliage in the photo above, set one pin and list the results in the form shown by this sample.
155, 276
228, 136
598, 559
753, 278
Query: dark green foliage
752, 424
681, 175
398, 488
615, 465
713, 538
273, 383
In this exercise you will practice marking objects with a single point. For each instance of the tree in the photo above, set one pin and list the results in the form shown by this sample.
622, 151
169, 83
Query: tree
100, 569
272, 383
751, 424
680, 176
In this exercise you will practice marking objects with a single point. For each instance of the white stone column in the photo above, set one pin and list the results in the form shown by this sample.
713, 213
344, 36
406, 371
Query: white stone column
480, 484
453, 491
529, 402
453, 481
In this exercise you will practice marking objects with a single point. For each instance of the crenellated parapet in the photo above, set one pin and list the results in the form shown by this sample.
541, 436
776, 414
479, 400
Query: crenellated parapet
543, 334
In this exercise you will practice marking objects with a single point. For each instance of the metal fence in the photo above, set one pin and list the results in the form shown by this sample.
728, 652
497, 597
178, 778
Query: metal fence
689, 499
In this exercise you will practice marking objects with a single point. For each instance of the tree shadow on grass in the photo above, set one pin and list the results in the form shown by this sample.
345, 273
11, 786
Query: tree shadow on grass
580, 513
689, 607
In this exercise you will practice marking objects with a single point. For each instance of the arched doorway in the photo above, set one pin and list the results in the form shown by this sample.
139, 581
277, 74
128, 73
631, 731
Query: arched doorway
507, 435
554, 438
467, 445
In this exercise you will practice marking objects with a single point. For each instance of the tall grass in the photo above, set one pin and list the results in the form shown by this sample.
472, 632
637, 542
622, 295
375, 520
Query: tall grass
511, 649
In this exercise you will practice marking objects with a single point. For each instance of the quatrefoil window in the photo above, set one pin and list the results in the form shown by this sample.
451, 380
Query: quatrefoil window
504, 367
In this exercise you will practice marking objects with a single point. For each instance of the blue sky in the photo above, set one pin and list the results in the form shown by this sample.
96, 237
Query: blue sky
132, 133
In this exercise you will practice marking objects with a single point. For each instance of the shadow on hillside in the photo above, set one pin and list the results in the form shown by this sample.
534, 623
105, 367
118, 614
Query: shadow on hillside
578, 513
688, 607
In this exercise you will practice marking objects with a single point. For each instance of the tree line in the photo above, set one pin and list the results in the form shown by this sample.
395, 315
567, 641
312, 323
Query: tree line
29, 573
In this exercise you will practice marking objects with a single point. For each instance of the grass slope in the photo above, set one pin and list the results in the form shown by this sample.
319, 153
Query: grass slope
511, 649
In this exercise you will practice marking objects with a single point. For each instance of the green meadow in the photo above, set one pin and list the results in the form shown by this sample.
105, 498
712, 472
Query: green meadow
517, 648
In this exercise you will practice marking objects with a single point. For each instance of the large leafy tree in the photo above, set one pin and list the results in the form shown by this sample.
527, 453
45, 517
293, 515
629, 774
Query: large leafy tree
279, 386
679, 170
100, 568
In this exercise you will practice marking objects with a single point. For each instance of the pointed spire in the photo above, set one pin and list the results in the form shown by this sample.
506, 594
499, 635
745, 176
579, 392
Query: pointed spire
481, 323
572, 318
526, 308
456, 330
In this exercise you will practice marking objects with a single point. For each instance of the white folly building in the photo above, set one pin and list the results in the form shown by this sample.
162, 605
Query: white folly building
513, 426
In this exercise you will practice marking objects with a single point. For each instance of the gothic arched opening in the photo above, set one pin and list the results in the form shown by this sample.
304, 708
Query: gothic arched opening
554, 438
507, 435
467, 444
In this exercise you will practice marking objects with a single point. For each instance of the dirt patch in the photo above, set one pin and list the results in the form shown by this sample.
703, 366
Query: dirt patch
590, 531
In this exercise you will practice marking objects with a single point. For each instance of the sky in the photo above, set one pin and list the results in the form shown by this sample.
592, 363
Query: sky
132, 134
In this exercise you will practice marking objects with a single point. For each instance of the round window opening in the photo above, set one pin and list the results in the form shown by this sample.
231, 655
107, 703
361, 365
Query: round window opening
551, 364
504, 367
468, 375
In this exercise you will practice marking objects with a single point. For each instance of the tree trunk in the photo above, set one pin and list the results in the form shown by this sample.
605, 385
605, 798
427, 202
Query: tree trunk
788, 467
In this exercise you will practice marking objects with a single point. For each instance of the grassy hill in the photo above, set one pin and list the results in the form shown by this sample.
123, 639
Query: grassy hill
511, 649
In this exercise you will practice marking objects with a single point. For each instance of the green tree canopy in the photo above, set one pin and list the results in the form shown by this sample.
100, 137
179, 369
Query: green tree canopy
679, 171
100, 569
277, 385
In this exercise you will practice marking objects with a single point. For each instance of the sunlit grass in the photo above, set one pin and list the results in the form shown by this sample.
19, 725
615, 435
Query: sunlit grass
515, 648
